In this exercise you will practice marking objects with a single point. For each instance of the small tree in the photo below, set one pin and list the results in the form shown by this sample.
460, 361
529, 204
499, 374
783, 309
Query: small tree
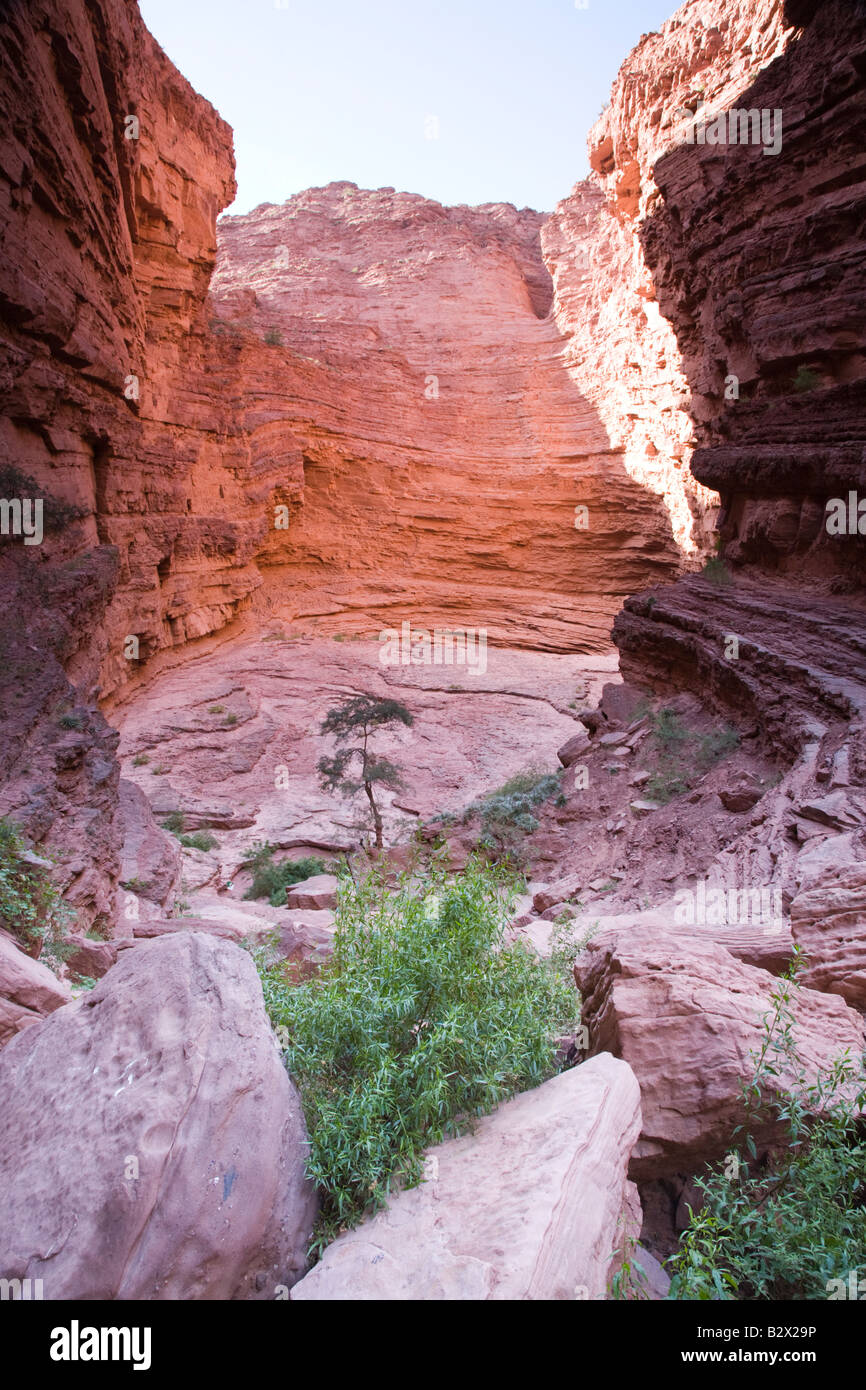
357, 718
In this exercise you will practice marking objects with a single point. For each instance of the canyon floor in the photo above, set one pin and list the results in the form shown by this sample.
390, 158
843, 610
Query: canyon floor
231, 740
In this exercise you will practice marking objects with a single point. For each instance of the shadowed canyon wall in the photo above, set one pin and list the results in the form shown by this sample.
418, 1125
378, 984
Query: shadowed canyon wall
758, 264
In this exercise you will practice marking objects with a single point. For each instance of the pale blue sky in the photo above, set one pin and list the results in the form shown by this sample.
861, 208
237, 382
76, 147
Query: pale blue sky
320, 90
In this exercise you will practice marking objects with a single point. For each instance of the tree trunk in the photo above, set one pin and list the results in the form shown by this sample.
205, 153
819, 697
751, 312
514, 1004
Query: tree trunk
377, 819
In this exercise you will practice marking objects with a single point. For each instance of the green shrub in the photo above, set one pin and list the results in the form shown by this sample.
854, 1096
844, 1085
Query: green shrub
174, 822
717, 572
201, 839
685, 754
216, 709
274, 338
270, 880
785, 1227
71, 721
140, 759
806, 379
507, 814
420, 1021
31, 908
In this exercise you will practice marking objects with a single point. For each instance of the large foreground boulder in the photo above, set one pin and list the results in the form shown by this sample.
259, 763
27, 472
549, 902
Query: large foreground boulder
28, 990
686, 1014
153, 1145
828, 919
532, 1205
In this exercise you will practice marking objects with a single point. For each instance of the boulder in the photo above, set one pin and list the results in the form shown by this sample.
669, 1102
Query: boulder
686, 1014
314, 894
620, 702
308, 935
150, 858
530, 1206
828, 919
573, 749
153, 1145
741, 794
89, 956
28, 990
557, 893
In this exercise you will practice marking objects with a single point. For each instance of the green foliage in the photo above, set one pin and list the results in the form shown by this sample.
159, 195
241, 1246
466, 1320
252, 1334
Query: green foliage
31, 908
359, 717
717, 572
231, 719
274, 338
140, 759
270, 880
783, 1228
685, 754
174, 822
507, 814
201, 839
216, 709
806, 379
421, 1020
71, 721
135, 884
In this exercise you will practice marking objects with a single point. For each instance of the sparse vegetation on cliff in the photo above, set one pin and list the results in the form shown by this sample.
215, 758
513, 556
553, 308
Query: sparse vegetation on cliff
31, 908
507, 814
270, 880
421, 1020
684, 754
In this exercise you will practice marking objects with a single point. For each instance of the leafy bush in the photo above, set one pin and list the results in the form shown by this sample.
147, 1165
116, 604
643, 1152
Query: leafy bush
507, 814
785, 1227
685, 754
271, 880
140, 759
421, 1020
717, 572
174, 822
806, 379
201, 839
31, 908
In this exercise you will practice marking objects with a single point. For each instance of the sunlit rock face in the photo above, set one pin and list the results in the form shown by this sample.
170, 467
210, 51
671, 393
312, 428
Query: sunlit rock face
757, 253
454, 469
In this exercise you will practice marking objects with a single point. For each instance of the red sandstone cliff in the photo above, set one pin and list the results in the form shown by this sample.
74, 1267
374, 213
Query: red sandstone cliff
107, 247
445, 444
